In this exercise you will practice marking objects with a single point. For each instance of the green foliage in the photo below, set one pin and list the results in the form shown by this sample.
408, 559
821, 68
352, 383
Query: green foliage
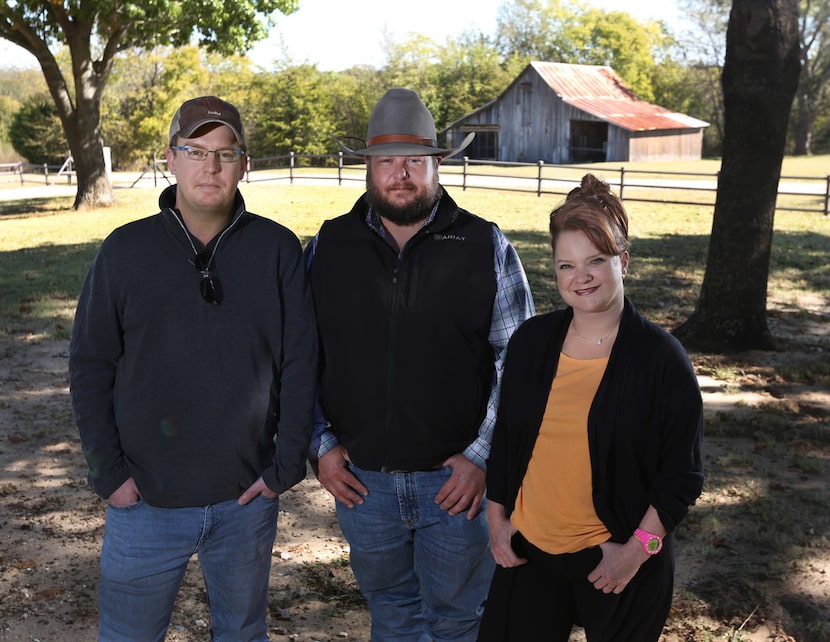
296, 107
95, 31
618, 40
8, 108
224, 27
36, 132
144, 92
534, 29
570, 32
470, 75
21, 83
453, 79
356, 92
16, 85
292, 112
695, 91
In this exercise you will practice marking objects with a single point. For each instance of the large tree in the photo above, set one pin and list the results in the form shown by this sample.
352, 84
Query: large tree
760, 77
94, 31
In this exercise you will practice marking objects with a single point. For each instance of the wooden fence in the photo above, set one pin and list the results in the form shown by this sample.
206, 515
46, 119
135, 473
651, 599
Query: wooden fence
795, 193
27, 172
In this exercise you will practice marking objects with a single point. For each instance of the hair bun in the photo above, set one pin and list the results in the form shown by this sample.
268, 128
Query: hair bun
593, 205
594, 185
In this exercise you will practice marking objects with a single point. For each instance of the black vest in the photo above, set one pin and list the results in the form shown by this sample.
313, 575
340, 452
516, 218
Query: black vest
407, 366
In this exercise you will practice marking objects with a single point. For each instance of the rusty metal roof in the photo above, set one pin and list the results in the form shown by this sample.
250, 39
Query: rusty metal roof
599, 91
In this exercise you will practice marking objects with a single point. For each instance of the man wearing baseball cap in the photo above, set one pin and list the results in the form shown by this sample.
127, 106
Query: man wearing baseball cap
416, 299
192, 370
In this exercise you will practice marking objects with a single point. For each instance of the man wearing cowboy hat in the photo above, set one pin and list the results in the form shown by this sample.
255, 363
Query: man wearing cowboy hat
416, 299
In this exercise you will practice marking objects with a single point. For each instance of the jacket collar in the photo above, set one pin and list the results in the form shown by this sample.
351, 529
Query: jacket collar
173, 219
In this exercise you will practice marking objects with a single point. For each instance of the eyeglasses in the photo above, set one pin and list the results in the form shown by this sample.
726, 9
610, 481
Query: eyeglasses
209, 285
201, 154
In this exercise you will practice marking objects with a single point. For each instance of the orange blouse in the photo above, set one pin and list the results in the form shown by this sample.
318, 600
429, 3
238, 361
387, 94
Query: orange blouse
554, 508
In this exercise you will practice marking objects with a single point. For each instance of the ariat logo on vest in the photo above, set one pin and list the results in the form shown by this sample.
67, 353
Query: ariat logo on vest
449, 237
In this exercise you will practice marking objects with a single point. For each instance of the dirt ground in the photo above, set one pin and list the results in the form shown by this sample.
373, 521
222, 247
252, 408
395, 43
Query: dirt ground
51, 528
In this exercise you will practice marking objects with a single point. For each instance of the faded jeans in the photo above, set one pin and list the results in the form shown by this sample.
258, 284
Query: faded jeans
145, 556
424, 573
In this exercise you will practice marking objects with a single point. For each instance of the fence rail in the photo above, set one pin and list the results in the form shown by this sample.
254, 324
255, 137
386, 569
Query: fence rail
795, 193
27, 172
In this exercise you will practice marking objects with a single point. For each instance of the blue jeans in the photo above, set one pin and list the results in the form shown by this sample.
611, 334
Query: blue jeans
145, 556
424, 573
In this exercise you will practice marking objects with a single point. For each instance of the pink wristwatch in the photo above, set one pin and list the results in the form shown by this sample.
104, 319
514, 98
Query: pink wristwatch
651, 543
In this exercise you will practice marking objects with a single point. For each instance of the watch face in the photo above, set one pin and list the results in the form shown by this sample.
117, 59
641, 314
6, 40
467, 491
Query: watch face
653, 545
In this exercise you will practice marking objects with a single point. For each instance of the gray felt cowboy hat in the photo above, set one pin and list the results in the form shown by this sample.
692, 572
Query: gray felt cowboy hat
401, 125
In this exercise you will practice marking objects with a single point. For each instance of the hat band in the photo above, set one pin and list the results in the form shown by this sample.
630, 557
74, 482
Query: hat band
399, 138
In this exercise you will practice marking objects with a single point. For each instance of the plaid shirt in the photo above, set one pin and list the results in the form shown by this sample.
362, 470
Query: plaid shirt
512, 305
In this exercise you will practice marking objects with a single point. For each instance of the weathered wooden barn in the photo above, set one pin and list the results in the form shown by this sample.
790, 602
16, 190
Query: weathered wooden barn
560, 113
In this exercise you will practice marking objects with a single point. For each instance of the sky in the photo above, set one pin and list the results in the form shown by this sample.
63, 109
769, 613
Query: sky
338, 34
343, 39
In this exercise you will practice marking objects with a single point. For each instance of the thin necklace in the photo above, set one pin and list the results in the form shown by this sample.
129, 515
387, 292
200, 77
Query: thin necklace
597, 341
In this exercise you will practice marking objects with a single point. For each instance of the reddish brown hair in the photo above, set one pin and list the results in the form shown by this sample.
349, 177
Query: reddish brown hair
592, 208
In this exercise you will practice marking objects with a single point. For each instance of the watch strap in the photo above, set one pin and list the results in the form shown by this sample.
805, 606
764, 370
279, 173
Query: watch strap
652, 544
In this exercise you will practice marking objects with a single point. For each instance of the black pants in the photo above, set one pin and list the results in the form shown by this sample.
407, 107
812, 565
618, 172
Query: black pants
543, 599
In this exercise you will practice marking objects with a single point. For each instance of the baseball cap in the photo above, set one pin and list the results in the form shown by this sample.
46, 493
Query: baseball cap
206, 109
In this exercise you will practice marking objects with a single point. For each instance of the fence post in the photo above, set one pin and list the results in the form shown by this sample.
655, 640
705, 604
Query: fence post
155, 164
541, 164
248, 170
46, 172
622, 181
20, 171
339, 168
291, 168
464, 174
827, 197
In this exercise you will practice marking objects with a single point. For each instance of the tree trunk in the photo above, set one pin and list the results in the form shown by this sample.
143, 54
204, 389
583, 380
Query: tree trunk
760, 77
86, 144
81, 117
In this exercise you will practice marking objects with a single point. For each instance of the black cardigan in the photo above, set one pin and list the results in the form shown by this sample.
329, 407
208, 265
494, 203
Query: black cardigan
645, 425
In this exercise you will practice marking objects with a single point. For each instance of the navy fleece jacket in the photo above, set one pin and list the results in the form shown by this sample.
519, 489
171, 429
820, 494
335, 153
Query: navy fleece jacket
195, 401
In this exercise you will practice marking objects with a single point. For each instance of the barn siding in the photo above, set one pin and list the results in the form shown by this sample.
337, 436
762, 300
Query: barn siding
667, 145
618, 145
533, 123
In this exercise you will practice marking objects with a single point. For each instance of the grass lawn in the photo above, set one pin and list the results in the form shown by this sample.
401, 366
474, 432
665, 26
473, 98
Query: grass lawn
47, 247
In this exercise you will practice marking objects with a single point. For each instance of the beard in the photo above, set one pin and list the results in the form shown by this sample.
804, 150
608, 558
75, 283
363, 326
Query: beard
412, 212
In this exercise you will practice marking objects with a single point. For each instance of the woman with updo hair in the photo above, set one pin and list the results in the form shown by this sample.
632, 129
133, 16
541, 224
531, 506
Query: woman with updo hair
596, 454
